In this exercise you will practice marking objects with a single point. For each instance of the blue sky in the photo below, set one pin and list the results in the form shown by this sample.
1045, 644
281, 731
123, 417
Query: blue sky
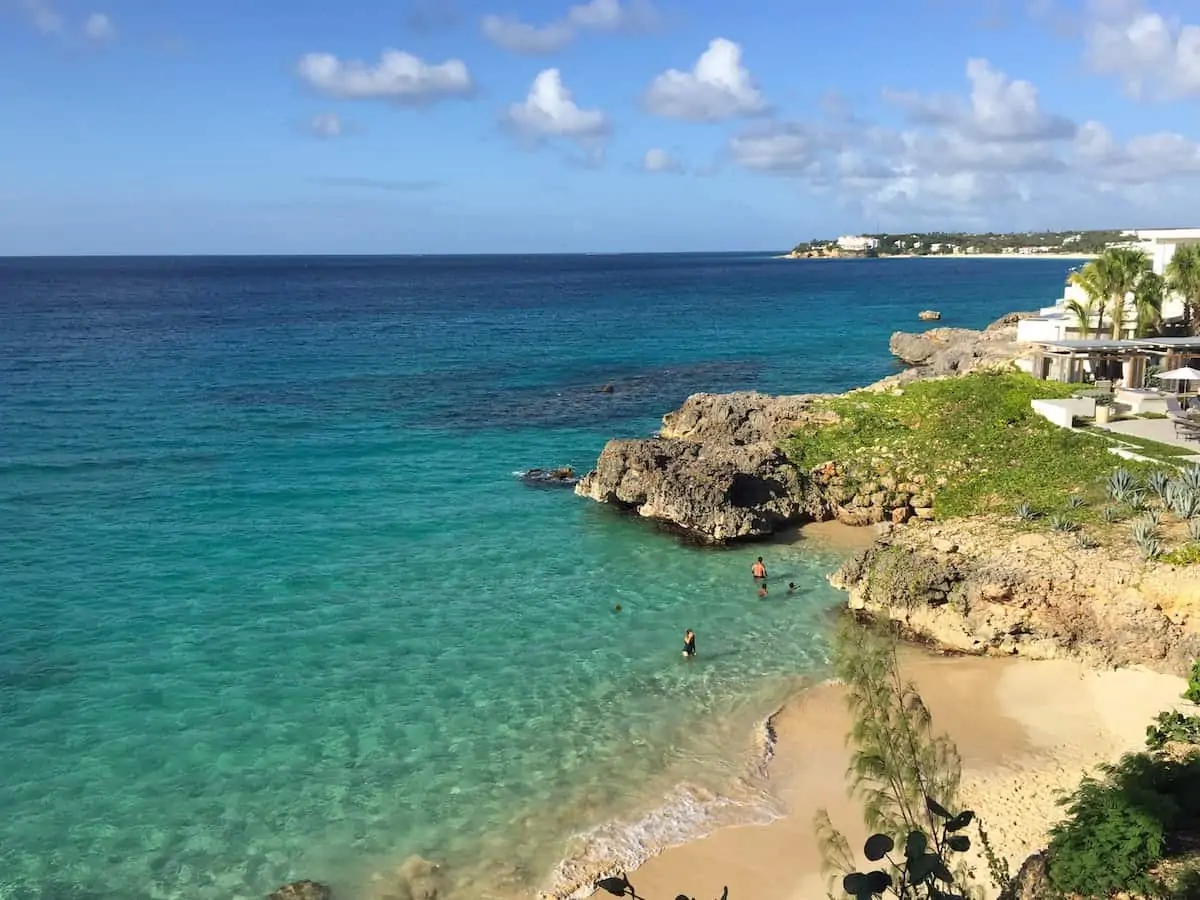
384, 126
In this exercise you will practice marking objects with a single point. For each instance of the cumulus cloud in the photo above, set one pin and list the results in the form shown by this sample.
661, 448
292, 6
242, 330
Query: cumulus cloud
998, 108
970, 157
717, 87
513, 34
550, 110
1156, 58
99, 27
661, 161
398, 77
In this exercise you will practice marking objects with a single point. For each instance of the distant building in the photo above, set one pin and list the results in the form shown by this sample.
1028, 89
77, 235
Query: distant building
857, 243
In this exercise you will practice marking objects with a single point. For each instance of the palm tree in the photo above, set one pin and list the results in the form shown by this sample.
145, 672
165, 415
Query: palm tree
1119, 271
1083, 311
1183, 275
1148, 301
1089, 279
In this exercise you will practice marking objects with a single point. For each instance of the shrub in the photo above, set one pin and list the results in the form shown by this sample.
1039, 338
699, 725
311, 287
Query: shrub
1193, 688
1118, 827
1188, 555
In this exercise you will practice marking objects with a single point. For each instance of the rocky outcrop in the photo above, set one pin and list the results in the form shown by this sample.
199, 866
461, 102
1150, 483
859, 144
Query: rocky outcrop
715, 473
956, 351
976, 586
929, 315
302, 890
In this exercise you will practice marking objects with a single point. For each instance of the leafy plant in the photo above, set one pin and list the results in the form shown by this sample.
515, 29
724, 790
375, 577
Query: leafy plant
1110, 514
1135, 501
1121, 484
1193, 687
1076, 501
1144, 527
1190, 478
1150, 547
924, 871
1182, 500
1026, 513
1085, 541
1172, 727
1153, 514
1193, 527
1188, 555
1062, 523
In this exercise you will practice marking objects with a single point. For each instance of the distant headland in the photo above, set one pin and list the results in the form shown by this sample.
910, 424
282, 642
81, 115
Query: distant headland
987, 245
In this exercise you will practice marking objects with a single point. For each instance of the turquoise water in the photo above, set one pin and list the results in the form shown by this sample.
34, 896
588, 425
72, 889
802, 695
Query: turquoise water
273, 606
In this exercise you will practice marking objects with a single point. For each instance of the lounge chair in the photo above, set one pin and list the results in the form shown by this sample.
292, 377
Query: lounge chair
1173, 407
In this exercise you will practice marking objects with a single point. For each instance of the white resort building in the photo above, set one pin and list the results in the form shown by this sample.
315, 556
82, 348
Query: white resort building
857, 243
1058, 323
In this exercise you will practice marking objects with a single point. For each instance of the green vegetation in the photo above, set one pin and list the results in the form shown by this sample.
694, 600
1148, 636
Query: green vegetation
1107, 280
975, 442
1167, 453
1187, 555
1183, 275
935, 243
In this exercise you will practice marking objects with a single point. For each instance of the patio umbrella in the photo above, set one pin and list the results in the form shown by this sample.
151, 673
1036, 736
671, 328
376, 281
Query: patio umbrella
1187, 373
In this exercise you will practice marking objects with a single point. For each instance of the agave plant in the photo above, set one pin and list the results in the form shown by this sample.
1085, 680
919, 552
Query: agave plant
1144, 528
1086, 541
1182, 500
1190, 477
1110, 514
1194, 529
1026, 513
1153, 514
1150, 547
1135, 500
1075, 501
1121, 484
1158, 481
1062, 523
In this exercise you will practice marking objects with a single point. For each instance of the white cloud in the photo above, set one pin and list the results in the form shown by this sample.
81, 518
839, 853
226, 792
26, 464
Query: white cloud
513, 34
43, 16
998, 108
326, 125
550, 111
660, 160
976, 157
718, 87
398, 77
1155, 58
99, 27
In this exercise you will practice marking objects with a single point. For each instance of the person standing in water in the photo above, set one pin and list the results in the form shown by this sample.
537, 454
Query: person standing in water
762, 589
689, 643
758, 570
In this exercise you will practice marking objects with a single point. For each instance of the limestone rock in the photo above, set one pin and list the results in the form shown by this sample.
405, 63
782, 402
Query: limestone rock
563, 476
302, 890
929, 315
956, 351
1032, 881
745, 417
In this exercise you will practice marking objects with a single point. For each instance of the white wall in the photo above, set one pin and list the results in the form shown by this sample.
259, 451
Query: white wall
1063, 412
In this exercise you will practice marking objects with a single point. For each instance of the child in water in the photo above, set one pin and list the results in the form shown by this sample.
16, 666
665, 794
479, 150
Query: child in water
689, 643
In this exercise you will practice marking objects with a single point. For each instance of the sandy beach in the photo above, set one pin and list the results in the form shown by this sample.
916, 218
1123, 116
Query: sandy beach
1027, 732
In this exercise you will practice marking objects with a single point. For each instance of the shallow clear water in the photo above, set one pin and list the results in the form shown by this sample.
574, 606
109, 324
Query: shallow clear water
272, 604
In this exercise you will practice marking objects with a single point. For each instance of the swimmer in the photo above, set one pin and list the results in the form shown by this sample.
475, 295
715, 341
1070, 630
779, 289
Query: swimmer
791, 587
758, 570
689, 643
762, 589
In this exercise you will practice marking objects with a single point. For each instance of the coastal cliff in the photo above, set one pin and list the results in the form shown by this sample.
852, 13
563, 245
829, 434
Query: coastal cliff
983, 586
717, 472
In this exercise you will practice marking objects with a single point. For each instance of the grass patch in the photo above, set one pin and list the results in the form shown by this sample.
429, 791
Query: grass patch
975, 439
1151, 415
1168, 453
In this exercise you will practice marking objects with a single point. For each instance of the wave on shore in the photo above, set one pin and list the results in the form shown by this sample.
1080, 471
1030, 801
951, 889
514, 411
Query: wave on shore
688, 813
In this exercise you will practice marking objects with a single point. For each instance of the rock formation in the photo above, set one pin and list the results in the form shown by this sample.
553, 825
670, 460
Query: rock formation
956, 351
563, 476
716, 472
976, 586
929, 315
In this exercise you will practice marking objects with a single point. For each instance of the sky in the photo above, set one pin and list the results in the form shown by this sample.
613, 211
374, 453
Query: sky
530, 126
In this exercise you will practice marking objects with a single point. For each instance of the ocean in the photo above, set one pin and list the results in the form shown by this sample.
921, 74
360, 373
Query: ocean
273, 604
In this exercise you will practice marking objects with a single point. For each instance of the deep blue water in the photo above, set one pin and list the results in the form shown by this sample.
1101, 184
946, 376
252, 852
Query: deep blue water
272, 604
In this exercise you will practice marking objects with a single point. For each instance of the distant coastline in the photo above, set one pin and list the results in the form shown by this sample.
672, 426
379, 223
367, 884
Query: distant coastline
1066, 256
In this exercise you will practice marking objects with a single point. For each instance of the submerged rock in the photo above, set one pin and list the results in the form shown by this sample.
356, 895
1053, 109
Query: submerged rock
563, 476
929, 315
302, 890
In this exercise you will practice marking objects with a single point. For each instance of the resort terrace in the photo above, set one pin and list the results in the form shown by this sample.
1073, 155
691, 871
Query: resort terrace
1099, 359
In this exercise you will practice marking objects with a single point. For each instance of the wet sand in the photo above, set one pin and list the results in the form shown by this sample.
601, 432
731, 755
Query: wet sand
1026, 730
845, 539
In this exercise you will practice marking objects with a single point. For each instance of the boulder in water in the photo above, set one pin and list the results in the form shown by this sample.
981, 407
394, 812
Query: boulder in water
302, 890
929, 315
563, 476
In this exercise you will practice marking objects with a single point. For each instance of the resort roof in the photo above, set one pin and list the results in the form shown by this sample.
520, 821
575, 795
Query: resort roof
1171, 343
1090, 346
